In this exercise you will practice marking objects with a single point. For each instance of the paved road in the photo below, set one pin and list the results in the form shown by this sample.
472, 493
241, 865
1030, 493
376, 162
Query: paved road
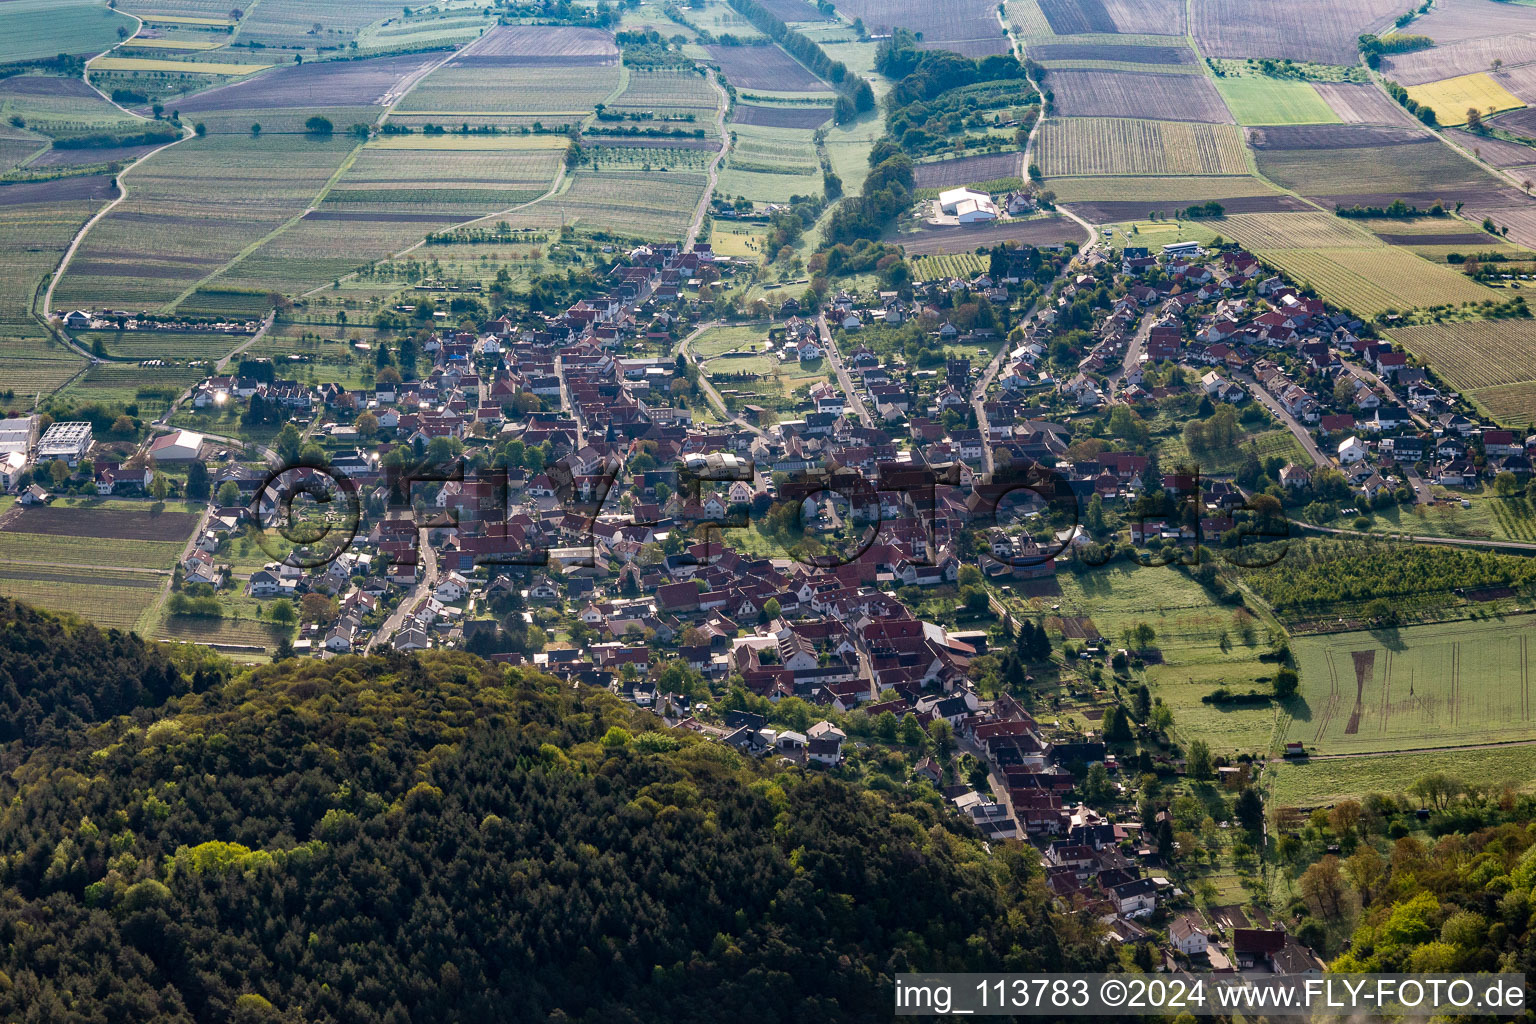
829, 345
1362, 374
414, 597
714, 165
567, 406
1292, 423
1133, 350
710, 394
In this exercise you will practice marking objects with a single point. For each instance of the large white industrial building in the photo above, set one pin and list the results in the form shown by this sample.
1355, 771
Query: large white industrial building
968, 206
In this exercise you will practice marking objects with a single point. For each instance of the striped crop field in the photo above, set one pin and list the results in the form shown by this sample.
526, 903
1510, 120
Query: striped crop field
1114, 145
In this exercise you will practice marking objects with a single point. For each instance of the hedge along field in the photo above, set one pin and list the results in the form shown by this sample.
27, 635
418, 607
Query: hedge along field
1451, 684
1260, 100
191, 209
1111, 146
391, 196
1452, 97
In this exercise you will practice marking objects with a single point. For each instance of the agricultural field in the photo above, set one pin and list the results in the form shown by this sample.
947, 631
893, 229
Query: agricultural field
1369, 280
168, 345
43, 28
1464, 57
96, 536
780, 117
1493, 151
1320, 782
152, 387
1261, 100
1492, 361
1067, 53
1082, 17
967, 27
1320, 31
181, 67
33, 236
1346, 160
1139, 95
1117, 146
52, 105
308, 25
769, 165
1115, 199
650, 206
1401, 689
111, 598
670, 96
764, 67
1293, 230
1451, 98
742, 241
968, 170
1050, 230
1362, 103
471, 90
348, 83
192, 209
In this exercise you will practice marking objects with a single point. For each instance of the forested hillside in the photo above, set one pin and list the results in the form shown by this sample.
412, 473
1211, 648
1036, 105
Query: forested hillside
435, 839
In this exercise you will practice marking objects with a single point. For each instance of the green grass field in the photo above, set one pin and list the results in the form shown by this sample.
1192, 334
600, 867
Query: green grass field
1259, 100
1451, 684
1316, 783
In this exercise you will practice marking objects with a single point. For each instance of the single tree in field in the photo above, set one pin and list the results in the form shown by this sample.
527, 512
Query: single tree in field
318, 125
1526, 184
1498, 62
59, 471
256, 128
1474, 120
